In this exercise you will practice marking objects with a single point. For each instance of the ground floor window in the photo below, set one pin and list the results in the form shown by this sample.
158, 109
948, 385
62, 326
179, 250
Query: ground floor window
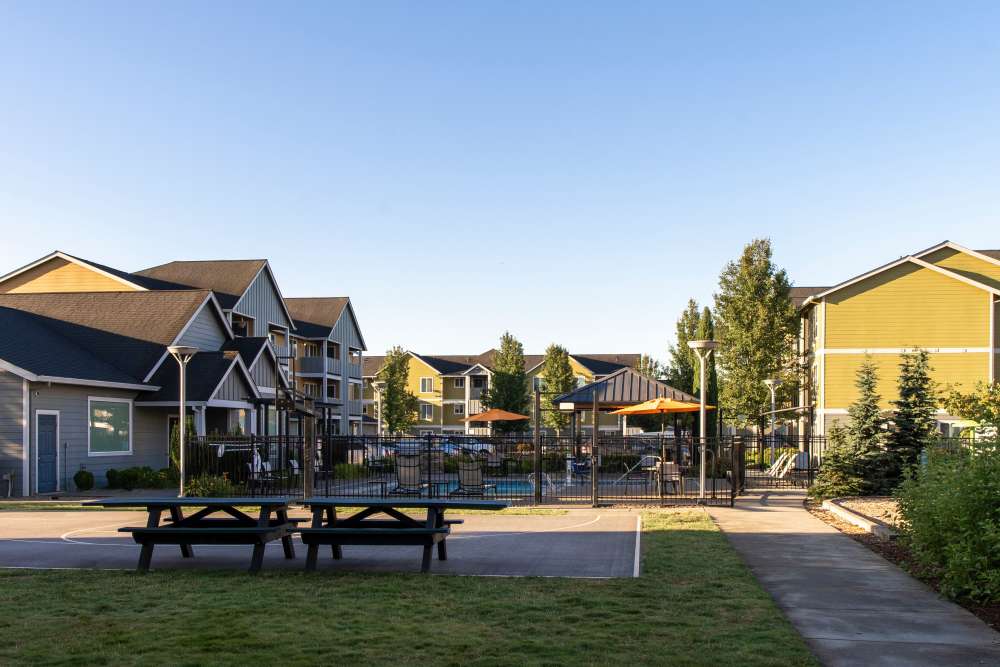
109, 426
459, 408
426, 412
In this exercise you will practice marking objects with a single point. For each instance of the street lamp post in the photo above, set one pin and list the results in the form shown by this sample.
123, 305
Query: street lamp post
378, 386
183, 354
772, 384
703, 348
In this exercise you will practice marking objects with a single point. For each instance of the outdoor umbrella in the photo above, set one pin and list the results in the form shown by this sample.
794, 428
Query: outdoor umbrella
661, 406
497, 415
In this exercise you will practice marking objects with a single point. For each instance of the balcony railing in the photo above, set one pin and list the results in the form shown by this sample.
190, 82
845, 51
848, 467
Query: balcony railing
333, 365
355, 406
317, 365
353, 369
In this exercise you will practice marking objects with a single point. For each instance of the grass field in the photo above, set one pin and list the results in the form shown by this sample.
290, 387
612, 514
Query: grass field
695, 604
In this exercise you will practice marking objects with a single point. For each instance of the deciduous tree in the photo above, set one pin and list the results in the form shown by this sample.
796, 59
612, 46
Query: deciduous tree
399, 405
508, 388
558, 378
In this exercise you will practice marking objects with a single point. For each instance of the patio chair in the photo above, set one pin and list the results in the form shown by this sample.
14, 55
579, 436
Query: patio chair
410, 480
495, 464
470, 479
641, 473
670, 473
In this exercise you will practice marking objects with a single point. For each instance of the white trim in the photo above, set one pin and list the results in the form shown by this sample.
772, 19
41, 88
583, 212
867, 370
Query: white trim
456, 381
822, 368
277, 290
225, 325
992, 334
17, 370
958, 248
25, 438
431, 416
468, 371
429, 379
903, 350
239, 405
58, 455
28, 375
72, 260
167, 404
638, 539
455, 409
131, 424
246, 376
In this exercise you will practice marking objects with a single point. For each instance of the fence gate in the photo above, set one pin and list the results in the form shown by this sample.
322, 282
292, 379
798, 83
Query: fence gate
775, 462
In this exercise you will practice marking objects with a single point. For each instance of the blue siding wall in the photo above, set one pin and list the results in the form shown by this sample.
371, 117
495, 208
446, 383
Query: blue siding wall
205, 332
346, 331
234, 387
263, 371
149, 432
11, 429
263, 303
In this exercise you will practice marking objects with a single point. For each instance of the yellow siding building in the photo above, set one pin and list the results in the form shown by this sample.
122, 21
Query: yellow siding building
945, 300
450, 387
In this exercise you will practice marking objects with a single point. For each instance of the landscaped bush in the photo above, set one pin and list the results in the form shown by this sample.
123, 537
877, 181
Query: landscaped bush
113, 481
141, 478
349, 471
84, 480
213, 486
951, 516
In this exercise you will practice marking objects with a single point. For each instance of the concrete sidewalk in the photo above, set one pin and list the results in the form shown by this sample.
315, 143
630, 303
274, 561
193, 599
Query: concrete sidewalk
851, 605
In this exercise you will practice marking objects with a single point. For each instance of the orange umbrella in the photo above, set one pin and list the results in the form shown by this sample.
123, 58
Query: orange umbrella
661, 406
497, 415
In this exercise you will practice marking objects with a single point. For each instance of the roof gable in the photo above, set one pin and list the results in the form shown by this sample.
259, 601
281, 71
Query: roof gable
60, 272
625, 386
969, 263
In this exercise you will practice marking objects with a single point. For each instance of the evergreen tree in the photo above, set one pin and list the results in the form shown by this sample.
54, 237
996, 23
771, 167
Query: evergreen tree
649, 367
508, 388
755, 325
682, 367
915, 409
558, 378
399, 405
856, 461
706, 331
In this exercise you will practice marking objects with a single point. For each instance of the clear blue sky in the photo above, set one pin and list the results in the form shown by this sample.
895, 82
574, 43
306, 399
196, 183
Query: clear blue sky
583, 167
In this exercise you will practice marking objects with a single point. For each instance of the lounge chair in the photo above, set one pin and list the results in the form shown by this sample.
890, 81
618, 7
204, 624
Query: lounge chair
495, 464
670, 473
470, 479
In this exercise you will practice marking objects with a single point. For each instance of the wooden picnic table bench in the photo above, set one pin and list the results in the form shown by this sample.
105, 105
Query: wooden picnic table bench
327, 529
236, 527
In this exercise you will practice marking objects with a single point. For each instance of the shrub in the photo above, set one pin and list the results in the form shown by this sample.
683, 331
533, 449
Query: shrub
212, 486
141, 478
951, 516
84, 480
113, 479
349, 471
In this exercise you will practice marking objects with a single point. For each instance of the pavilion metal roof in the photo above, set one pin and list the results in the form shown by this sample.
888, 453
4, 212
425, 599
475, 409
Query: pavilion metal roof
625, 386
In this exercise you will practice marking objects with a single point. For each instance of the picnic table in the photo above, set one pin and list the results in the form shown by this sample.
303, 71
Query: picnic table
234, 527
327, 529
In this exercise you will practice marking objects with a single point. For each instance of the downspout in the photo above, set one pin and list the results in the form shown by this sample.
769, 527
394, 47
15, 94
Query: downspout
26, 438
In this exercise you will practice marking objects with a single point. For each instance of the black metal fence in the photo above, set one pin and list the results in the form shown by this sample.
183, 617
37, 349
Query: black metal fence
770, 462
647, 470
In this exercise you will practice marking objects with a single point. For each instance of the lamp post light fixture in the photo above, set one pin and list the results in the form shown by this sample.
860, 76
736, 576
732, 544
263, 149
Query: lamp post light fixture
183, 354
772, 384
703, 348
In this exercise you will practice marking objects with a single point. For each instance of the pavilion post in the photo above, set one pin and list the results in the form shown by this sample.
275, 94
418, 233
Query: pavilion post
595, 459
538, 446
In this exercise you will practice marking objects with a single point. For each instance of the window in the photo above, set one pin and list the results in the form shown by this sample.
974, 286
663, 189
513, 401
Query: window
333, 389
426, 385
354, 391
426, 432
536, 383
580, 380
478, 382
310, 388
109, 426
311, 350
426, 412
459, 383
460, 408
333, 350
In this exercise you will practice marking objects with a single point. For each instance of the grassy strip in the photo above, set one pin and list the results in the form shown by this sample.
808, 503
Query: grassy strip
695, 604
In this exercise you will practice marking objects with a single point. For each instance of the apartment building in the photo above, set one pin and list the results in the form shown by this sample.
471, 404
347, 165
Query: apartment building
450, 388
944, 299
86, 380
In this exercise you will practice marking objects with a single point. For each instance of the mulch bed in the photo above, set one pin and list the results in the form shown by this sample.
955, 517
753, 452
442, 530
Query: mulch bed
896, 552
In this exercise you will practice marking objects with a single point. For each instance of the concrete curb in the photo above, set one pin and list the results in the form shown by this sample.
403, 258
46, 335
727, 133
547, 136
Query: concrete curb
874, 527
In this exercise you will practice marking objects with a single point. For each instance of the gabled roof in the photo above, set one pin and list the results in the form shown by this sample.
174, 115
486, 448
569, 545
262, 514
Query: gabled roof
603, 364
31, 348
228, 278
126, 330
819, 293
315, 317
205, 374
248, 347
457, 364
626, 386
984, 255
127, 281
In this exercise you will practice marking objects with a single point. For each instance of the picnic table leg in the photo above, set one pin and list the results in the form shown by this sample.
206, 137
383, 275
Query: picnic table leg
432, 519
331, 518
442, 548
177, 516
257, 560
313, 550
286, 541
146, 553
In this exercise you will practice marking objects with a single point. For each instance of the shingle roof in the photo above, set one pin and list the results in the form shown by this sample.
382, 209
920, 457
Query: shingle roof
248, 348
798, 295
141, 281
453, 364
315, 317
126, 330
228, 278
625, 386
49, 352
995, 254
205, 372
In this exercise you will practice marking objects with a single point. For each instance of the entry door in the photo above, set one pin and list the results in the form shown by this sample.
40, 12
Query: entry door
48, 453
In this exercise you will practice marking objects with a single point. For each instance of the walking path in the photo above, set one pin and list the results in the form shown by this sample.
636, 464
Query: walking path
852, 606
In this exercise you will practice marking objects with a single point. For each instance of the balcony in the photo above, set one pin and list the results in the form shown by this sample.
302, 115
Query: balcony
353, 370
317, 365
355, 407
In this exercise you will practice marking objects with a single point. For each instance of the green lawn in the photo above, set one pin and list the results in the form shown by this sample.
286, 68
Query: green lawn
695, 604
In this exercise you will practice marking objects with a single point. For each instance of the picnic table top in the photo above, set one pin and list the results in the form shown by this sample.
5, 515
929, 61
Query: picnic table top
188, 502
444, 503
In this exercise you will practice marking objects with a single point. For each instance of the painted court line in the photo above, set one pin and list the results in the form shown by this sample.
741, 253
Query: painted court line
638, 537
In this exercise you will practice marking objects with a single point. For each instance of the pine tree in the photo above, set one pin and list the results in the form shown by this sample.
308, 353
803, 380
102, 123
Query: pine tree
399, 405
867, 426
557, 378
648, 367
915, 409
508, 388
756, 327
